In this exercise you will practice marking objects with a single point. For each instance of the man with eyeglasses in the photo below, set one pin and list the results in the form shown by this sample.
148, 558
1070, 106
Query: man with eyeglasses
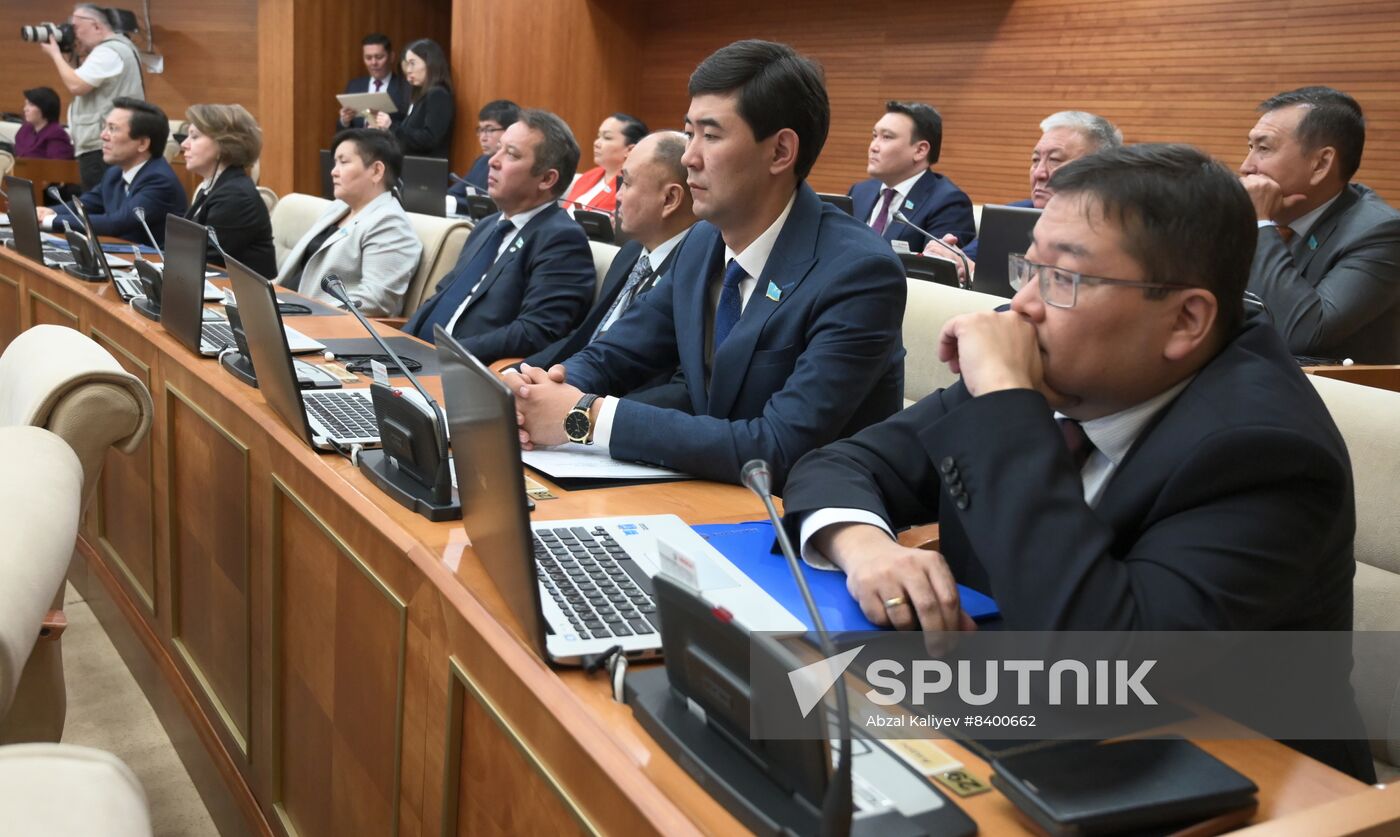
110, 70
491, 121
1125, 450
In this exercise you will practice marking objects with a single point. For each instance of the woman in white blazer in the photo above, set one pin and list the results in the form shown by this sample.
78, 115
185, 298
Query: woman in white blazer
364, 237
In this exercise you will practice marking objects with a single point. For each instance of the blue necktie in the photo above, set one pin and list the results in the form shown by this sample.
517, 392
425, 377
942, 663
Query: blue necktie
441, 309
728, 314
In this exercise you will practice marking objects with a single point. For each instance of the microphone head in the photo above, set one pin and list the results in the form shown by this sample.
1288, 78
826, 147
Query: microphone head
756, 478
331, 284
139, 211
53, 192
901, 217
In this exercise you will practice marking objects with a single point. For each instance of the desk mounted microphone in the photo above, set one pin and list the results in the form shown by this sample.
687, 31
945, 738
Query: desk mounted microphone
89, 269
967, 270
53, 192
837, 805
140, 212
414, 466
471, 187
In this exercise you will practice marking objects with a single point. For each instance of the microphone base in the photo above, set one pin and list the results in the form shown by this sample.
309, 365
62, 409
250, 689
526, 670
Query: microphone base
240, 367
404, 489
77, 273
146, 308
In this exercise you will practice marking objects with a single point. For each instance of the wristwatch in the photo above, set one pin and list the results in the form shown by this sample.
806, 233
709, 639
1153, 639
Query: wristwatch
578, 425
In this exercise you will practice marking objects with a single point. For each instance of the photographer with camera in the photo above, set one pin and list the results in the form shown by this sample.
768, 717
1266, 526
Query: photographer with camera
110, 69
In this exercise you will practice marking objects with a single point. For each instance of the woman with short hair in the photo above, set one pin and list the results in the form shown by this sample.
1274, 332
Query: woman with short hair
41, 135
220, 144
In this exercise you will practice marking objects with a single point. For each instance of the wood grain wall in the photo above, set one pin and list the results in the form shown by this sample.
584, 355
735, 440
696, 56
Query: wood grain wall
1184, 71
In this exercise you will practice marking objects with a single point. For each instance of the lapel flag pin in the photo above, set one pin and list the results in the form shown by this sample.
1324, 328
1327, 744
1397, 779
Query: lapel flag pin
908, 204
1312, 242
774, 292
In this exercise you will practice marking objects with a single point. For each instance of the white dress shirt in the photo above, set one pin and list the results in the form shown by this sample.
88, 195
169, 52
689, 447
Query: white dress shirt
1112, 437
1301, 226
655, 258
753, 260
518, 221
901, 193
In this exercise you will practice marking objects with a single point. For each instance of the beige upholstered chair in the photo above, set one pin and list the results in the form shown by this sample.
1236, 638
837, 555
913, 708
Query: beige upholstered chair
63, 790
442, 243
41, 491
291, 218
269, 198
7, 163
929, 306
8, 131
1367, 418
56, 378
977, 216
603, 255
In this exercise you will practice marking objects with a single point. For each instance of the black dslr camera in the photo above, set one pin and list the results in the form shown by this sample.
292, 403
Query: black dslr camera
61, 32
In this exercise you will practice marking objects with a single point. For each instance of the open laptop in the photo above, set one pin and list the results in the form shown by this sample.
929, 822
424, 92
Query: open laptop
328, 419
425, 185
327, 163
127, 285
578, 587
24, 220
1004, 230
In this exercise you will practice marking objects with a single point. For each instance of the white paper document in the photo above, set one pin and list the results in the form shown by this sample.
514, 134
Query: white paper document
367, 101
575, 461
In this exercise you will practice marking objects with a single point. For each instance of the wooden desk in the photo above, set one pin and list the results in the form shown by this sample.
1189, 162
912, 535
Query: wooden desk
1382, 377
46, 173
328, 663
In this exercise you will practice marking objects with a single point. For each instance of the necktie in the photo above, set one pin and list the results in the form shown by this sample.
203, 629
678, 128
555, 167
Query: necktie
640, 271
728, 314
882, 218
1285, 233
440, 309
1076, 440
377, 83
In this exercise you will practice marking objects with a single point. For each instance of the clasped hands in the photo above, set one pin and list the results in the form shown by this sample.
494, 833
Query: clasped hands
542, 400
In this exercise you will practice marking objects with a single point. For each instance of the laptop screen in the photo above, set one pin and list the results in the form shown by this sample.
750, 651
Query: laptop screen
182, 280
490, 481
24, 219
425, 185
1005, 230
267, 343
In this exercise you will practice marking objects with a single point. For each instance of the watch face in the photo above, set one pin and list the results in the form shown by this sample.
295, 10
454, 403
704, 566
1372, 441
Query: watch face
576, 425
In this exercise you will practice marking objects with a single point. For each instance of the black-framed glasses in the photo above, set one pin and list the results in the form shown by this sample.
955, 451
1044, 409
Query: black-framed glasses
1060, 288
488, 129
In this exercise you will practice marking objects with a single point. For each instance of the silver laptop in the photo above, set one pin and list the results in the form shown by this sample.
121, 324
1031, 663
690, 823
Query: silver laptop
577, 587
327, 419
24, 220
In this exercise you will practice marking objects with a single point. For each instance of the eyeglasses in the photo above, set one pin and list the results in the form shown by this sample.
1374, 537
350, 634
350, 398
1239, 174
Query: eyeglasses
488, 129
179, 138
1060, 288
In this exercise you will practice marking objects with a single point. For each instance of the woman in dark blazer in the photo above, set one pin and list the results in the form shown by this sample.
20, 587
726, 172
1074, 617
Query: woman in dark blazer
427, 129
220, 143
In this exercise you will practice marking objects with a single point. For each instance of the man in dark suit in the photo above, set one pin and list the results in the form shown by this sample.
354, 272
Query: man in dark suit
1195, 481
783, 313
491, 121
378, 54
133, 139
655, 212
903, 145
1327, 265
525, 276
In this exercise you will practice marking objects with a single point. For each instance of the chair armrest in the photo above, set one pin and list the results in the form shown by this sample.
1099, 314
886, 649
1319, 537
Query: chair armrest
55, 621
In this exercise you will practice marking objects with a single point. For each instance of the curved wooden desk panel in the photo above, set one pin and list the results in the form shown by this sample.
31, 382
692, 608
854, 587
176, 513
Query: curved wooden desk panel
328, 663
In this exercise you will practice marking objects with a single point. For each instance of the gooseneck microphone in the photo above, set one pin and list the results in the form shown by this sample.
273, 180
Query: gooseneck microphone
837, 805
140, 212
53, 192
967, 269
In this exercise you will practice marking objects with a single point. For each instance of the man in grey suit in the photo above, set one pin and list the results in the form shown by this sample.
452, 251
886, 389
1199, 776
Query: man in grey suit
1327, 263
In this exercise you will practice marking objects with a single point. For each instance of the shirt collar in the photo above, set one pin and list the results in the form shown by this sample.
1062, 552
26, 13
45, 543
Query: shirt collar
903, 189
130, 174
1114, 435
755, 256
657, 256
520, 219
1301, 226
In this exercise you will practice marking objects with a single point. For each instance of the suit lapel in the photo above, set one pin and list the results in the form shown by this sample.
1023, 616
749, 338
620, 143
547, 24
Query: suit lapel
1303, 248
863, 198
789, 263
518, 243
690, 311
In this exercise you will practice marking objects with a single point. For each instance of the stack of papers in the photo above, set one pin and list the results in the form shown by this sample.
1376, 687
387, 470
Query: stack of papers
575, 461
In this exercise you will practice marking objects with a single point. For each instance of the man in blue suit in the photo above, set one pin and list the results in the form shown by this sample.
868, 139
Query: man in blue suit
525, 276
377, 51
491, 122
133, 141
903, 145
783, 313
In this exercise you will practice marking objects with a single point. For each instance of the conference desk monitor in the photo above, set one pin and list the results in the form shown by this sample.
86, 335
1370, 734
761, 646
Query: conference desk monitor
24, 220
1004, 230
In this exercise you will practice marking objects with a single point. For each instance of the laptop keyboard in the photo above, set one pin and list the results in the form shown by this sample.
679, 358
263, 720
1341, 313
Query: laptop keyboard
595, 583
218, 335
129, 287
346, 416
59, 256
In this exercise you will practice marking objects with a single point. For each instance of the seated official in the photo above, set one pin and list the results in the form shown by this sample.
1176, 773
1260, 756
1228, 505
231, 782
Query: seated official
1327, 264
133, 140
782, 312
220, 143
41, 135
655, 212
491, 121
525, 276
377, 53
1065, 136
903, 145
1195, 480
364, 236
426, 131
596, 189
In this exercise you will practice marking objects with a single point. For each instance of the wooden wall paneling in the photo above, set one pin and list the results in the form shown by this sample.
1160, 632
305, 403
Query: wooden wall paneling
10, 295
50, 306
1162, 71
209, 534
580, 59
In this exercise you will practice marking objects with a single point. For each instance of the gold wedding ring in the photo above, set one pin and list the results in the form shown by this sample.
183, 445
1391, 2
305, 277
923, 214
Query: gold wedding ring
895, 601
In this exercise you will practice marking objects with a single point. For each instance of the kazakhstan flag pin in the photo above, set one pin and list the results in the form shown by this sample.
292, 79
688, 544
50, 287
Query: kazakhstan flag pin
774, 292
1312, 242
908, 204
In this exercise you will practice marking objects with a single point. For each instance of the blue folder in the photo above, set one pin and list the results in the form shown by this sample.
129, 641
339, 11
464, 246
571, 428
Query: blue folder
749, 546
125, 249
